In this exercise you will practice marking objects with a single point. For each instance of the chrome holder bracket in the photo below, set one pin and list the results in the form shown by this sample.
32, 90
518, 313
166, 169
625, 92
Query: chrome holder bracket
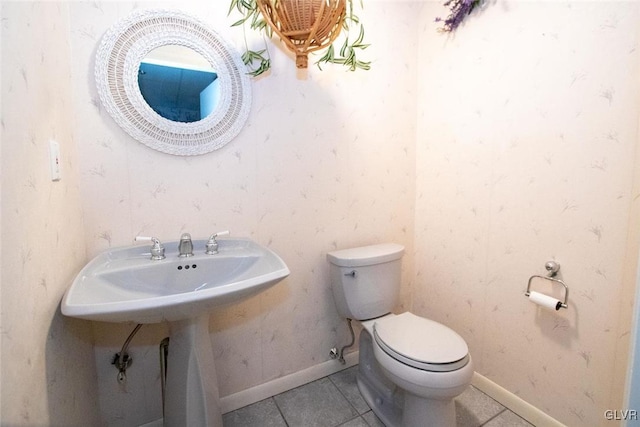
552, 268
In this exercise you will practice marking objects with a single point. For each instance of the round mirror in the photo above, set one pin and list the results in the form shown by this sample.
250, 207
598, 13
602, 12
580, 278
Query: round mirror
178, 83
155, 39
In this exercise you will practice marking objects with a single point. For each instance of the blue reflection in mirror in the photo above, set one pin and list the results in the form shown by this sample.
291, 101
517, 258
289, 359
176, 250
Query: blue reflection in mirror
178, 94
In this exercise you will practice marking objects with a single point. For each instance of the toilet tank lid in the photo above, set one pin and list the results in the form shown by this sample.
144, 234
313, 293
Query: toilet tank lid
366, 255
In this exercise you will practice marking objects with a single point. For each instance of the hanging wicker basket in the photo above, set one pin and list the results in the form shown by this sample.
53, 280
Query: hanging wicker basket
304, 25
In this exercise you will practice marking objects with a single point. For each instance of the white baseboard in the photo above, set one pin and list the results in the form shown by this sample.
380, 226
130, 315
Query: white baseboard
514, 403
282, 384
269, 389
263, 391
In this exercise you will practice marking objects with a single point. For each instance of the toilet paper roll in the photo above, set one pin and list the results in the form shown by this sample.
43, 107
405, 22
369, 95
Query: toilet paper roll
544, 300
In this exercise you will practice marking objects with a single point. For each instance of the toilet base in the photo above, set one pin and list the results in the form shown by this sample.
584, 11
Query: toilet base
386, 405
394, 406
381, 394
398, 408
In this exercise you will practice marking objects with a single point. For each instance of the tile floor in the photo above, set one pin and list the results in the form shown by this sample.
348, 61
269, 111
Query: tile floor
336, 401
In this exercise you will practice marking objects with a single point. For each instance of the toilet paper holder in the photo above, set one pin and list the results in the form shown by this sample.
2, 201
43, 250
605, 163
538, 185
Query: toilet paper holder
552, 267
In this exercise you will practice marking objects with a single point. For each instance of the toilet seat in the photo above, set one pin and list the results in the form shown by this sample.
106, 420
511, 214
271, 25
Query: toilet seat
421, 343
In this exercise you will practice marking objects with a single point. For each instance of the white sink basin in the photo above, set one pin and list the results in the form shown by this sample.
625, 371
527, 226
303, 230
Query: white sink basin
125, 285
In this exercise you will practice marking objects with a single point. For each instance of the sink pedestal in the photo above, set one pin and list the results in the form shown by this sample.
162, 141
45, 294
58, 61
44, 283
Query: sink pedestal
191, 394
125, 285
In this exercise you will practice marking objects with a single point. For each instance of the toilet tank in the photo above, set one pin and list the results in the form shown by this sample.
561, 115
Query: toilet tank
366, 280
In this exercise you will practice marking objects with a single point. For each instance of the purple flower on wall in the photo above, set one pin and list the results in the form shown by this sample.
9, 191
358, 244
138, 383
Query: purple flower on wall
459, 9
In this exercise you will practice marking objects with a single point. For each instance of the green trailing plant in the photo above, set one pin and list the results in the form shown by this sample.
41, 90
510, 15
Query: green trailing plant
350, 48
259, 61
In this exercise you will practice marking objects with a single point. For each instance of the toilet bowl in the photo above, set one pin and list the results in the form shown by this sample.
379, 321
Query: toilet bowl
410, 368
421, 356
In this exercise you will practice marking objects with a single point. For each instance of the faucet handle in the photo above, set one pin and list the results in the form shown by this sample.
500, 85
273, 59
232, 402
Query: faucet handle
157, 250
212, 244
220, 234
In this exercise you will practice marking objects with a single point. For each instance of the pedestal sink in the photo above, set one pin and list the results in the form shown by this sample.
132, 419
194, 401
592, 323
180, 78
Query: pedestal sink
125, 285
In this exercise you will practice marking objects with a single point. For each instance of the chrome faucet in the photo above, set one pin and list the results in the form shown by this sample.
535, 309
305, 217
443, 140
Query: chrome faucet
186, 246
157, 250
212, 245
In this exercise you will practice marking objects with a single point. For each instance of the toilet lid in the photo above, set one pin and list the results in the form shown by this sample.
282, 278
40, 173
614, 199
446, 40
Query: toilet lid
421, 343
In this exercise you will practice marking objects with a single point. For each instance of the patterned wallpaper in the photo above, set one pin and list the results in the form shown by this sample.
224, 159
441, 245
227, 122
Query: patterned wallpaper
526, 149
48, 374
326, 161
486, 153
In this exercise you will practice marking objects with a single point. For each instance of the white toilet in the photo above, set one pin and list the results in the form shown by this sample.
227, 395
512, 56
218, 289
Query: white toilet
410, 368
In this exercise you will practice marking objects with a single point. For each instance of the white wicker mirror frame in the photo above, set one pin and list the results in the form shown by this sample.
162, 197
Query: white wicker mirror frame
118, 59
